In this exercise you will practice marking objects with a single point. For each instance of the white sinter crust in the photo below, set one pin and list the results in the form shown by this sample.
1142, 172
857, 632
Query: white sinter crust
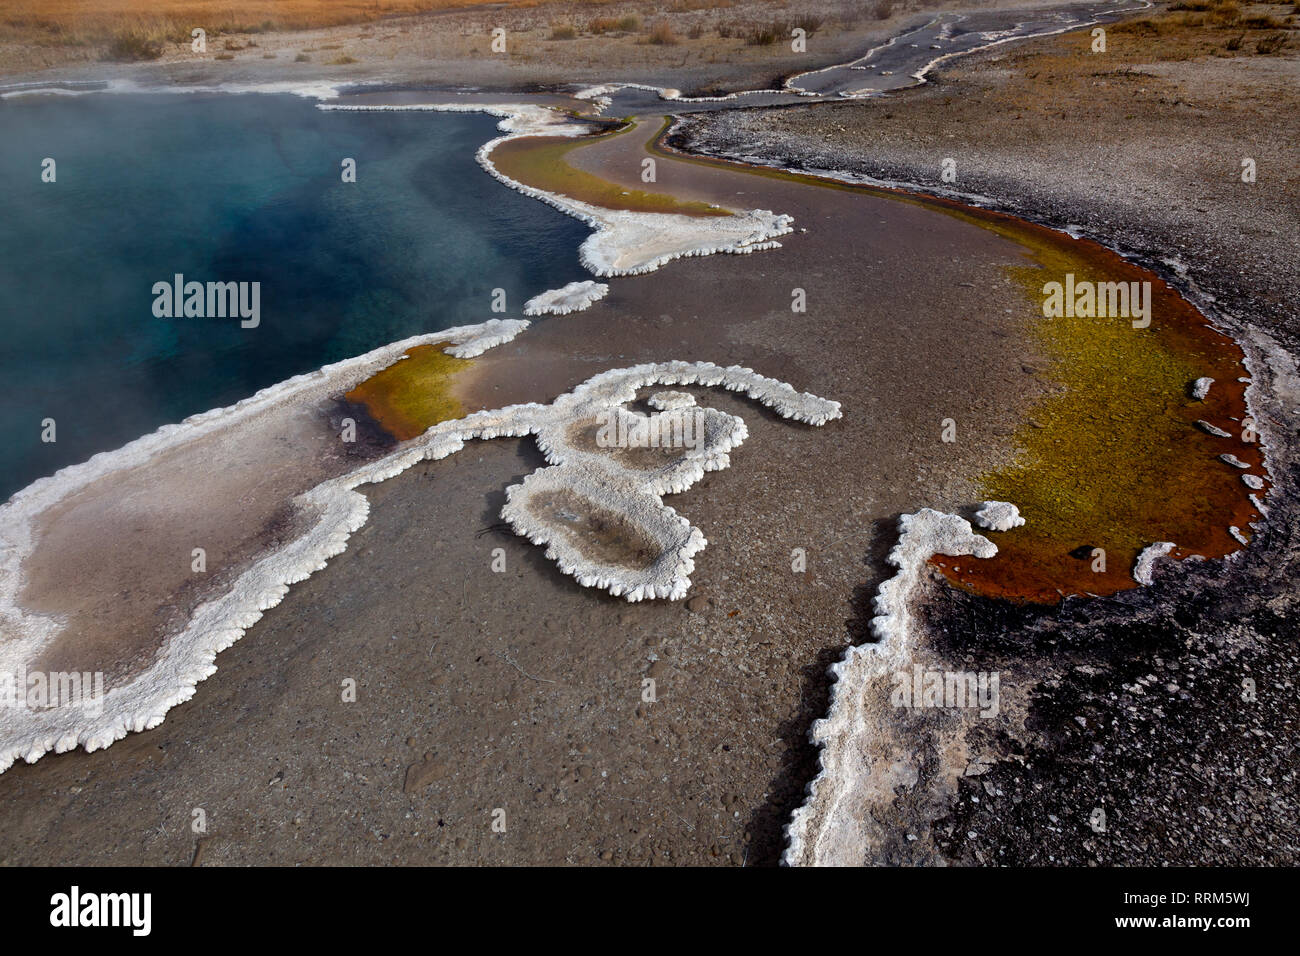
664, 401
624, 242
837, 823
998, 516
573, 297
335, 509
1146, 560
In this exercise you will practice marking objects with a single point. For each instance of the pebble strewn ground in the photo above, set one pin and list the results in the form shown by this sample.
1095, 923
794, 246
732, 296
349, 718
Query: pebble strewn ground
1143, 710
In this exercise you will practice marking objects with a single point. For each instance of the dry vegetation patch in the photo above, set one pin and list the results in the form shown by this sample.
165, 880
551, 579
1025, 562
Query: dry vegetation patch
131, 30
1190, 28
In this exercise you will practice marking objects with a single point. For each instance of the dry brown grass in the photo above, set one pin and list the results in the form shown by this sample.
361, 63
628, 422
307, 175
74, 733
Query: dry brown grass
145, 23
602, 25
1274, 43
1225, 13
1192, 28
661, 34
682, 6
1263, 22
104, 18
212, 15
1207, 14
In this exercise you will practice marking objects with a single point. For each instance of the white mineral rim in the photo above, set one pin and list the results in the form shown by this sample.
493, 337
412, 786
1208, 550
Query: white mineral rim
142, 702
836, 825
574, 297
339, 509
623, 242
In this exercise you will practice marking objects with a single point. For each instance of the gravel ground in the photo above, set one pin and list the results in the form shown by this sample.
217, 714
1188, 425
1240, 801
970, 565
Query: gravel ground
1142, 704
1171, 710
521, 691
707, 51
1138, 147
453, 47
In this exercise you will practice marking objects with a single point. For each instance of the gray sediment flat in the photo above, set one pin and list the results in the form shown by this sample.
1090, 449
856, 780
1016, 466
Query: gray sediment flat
523, 689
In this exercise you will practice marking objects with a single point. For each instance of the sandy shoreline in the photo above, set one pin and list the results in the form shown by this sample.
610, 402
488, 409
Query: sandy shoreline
722, 782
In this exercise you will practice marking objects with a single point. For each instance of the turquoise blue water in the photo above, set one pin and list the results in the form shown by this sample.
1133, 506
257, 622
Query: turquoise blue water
234, 188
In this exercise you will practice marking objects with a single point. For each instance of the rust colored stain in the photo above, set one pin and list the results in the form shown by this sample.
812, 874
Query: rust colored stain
413, 394
1113, 459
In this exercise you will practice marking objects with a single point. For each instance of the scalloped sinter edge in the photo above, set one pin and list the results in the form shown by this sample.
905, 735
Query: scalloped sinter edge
471, 341
634, 493
859, 755
142, 702
631, 495
339, 509
623, 243
573, 297
24, 631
